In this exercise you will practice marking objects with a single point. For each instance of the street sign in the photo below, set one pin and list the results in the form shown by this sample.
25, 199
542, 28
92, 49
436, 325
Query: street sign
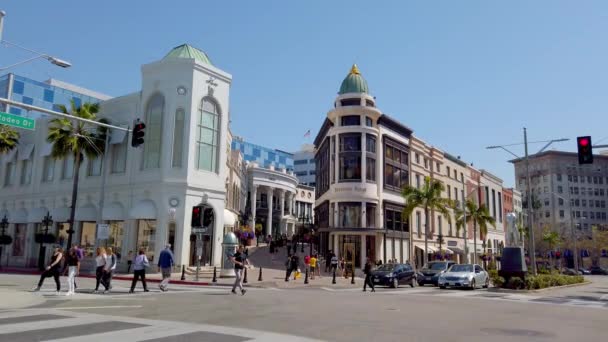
17, 121
200, 230
103, 231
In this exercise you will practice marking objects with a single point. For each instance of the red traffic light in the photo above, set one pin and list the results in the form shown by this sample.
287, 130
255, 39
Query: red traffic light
583, 142
585, 150
138, 133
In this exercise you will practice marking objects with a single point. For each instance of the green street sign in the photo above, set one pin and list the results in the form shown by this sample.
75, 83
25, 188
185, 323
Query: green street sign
17, 121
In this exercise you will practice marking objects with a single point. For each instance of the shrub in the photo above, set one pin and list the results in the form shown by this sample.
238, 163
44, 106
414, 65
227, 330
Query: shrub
542, 281
515, 283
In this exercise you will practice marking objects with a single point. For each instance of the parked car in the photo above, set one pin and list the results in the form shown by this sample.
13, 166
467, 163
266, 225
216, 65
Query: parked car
464, 275
584, 271
394, 275
598, 270
571, 271
430, 273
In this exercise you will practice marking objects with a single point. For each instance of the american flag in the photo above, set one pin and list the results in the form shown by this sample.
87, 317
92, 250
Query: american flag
307, 134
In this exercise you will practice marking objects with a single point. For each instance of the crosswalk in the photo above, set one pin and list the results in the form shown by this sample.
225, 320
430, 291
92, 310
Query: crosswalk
58, 325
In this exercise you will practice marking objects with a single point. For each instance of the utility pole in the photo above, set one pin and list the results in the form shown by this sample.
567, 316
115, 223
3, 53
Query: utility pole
530, 205
102, 190
464, 221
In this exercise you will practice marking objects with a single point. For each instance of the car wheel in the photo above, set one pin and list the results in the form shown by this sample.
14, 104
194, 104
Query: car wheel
473, 284
395, 283
487, 284
414, 281
442, 287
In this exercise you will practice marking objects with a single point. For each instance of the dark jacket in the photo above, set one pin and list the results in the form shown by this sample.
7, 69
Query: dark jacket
368, 268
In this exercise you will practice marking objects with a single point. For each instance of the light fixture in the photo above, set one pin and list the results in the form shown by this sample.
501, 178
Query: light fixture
59, 62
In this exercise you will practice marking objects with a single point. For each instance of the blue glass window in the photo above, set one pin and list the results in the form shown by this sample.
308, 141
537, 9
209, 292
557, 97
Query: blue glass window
28, 100
257, 152
15, 110
282, 159
77, 102
49, 95
18, 87
272, 156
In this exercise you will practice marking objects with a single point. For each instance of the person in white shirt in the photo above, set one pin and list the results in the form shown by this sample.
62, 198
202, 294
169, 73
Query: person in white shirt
100, 263
109, 269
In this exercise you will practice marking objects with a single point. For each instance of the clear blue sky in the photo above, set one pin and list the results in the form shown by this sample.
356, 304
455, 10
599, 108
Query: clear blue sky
461, 74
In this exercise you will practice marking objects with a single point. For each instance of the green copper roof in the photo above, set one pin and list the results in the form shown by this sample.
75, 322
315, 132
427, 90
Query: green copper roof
354, 82
187, 51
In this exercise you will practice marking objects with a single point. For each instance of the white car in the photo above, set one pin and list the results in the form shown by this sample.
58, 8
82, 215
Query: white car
465, 275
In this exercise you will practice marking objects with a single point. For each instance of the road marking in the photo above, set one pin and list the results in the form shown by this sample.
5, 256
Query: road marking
604, 297
99, 307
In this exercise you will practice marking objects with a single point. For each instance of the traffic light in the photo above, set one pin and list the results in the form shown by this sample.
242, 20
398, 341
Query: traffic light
138, 133
207, 217
585, 150
197, 219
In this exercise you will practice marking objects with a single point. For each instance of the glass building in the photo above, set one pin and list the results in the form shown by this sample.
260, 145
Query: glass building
49, 94
264, 156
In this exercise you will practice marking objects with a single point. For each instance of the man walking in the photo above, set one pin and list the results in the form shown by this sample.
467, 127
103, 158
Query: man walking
240, 262
368, 275
165, 265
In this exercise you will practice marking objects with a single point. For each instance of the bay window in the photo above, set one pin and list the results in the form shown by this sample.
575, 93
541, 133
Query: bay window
350, 157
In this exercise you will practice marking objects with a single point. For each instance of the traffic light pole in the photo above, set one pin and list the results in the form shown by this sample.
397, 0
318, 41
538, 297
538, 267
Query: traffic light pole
530, 206
102, 190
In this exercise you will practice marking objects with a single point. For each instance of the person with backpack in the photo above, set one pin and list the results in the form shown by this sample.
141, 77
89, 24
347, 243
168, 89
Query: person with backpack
52, 270
109, 269
165, 264
139, 270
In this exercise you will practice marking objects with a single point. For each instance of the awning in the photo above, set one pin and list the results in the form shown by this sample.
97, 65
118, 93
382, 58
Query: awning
17, 216
143, 210
88, 213
25, 151
60, 214
289, 218
113, 212
46, 149
229, 218
456, 250
420, 245
446, 251
117, 136
36, 215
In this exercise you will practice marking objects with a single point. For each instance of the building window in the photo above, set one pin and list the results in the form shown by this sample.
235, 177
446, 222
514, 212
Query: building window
48, 169
559, 177
208, 136
370, 172
26, 172
370, 215
370, 145
447, 168
449, 192
349, 214
178, 137
87, 238
393, 218
417, 181
154, 123
68, 167
350, 157
322, 168
417, 158
396, 172
350, 120
350, 102
146, 237
560, 201
438, 167
560, 189
119, 157
94, 166
499, 207
426, 163
368, 121
561, 214
9, 173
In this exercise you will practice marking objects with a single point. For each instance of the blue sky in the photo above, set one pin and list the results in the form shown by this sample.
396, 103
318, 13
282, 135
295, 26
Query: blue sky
461, 74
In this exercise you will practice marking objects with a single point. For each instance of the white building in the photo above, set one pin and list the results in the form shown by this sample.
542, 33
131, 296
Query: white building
150, 191
304, 165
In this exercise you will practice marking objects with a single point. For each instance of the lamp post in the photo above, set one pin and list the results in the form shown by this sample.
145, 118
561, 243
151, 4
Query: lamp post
530, 209
4, 239
46, 222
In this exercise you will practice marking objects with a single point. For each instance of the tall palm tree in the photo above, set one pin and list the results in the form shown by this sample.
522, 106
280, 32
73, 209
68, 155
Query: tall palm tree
429, 198
481, 217
78, 139
9, 138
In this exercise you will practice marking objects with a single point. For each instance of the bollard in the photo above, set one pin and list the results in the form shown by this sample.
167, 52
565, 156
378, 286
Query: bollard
260, 276
306, 277
333, 281
352, 280
183, 272
245, 277
214, 280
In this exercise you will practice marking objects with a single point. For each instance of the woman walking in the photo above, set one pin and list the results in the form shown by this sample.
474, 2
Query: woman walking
73, 267
100, 262
108, 270
52, 270
139, 270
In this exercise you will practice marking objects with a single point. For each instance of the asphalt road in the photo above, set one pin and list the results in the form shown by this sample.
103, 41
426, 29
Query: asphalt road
419, 314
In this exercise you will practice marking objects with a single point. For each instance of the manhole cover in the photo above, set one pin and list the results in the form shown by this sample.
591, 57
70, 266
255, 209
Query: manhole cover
516, 332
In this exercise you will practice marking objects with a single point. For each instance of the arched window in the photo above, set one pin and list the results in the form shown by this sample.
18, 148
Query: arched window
178, 137
207, 135
154, 121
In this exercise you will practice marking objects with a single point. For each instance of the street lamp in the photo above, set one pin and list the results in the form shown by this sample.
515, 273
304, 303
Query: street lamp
46, 222
528, 187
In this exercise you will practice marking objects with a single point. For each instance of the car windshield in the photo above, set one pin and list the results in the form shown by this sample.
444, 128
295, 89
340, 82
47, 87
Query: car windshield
386, 267
436, 266
461, 268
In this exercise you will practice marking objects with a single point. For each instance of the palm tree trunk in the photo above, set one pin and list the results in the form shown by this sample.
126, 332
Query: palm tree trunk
483, 246
426, 236
474, 241
71, 231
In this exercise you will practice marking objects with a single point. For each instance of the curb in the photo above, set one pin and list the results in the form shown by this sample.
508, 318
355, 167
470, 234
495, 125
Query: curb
496, 289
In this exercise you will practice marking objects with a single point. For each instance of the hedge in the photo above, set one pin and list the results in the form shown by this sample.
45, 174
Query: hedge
540, 281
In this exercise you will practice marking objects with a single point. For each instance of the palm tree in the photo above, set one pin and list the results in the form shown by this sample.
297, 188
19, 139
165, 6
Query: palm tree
552, 239
481, 217
78, 139
9, 138
429, 198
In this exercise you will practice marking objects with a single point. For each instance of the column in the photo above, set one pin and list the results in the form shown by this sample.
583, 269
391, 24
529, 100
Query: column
269, 220
335, 247
290, 200
364, 214
282, 196
254, 194
364, 250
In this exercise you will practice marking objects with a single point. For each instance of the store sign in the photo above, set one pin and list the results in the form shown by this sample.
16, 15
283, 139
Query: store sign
17, 121
103, 231
350, 189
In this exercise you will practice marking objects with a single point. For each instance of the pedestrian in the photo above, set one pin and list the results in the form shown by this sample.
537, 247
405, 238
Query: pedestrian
368, 275
295, 266
313, 266
80, 255
288, 248
165, 264
72, 267
108, 270
240, 262
343, 268
333, 260
101, 259
307, 264
318, 268
139, 270
129, 261
52, 270
328, 261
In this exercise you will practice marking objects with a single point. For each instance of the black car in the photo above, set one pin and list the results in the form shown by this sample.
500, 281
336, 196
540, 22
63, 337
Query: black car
431, 272
598, 270
394, 275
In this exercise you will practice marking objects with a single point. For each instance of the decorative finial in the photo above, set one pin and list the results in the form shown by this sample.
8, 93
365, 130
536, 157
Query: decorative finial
354, 70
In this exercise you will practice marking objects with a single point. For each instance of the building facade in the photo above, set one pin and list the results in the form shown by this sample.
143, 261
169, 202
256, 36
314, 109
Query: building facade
304, 165
263, 156
150, 191
49, 94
